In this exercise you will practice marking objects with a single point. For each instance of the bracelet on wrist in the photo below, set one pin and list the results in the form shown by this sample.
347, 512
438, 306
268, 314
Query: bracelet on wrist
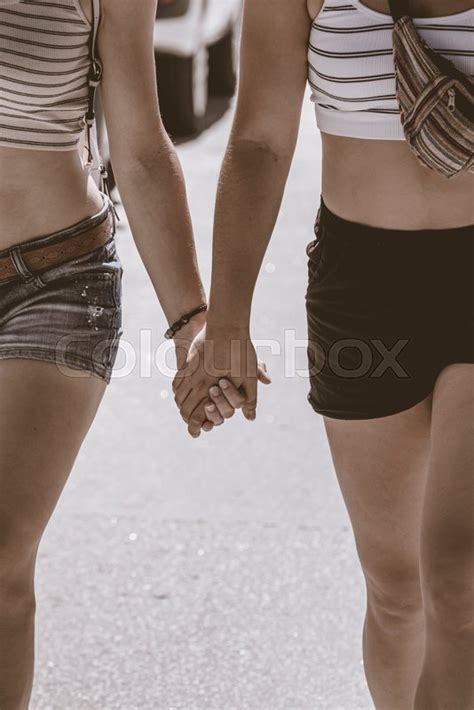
184, 320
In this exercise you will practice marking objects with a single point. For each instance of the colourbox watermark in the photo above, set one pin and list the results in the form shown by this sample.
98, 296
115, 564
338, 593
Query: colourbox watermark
347, 358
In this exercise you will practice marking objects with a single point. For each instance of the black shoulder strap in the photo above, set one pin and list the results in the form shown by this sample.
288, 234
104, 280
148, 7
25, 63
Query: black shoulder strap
95, 25
399, 8
95, 73
94, 79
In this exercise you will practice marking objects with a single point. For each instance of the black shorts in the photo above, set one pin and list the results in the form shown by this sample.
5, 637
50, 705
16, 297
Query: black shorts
387, 311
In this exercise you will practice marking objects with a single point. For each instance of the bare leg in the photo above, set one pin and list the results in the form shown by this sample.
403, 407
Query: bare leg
447, 548
381, 466
44, 417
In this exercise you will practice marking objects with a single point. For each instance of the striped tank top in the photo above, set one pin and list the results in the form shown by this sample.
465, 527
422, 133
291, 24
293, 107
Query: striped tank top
44, 66
351, 68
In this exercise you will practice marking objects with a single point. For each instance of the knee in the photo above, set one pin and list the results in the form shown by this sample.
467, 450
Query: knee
449, 601
448, 577
394, 596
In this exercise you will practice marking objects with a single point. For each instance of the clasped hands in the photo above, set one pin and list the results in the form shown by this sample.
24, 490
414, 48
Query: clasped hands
217, 374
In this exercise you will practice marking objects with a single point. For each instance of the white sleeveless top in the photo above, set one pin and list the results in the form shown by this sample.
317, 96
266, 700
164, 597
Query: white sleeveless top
44, 65
351, 68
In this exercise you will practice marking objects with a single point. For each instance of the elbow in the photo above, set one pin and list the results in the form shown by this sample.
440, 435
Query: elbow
279, 150
254, 151
266, 133
142, 159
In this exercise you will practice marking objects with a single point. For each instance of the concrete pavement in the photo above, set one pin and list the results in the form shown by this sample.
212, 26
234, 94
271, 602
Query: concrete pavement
217, 574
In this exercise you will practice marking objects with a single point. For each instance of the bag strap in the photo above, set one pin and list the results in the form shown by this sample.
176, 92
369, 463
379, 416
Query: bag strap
94, 79
95, 26
399, 8
95, 73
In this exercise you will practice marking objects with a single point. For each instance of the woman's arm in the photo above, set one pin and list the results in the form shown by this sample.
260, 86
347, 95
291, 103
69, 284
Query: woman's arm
260, 151
145, 163
253, 177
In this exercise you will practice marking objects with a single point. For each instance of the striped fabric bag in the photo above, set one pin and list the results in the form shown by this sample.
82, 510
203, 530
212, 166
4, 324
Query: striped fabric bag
436, 100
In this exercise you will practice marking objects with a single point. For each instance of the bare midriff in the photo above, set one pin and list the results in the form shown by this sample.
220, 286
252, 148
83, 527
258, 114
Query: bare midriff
42, 192
381, 183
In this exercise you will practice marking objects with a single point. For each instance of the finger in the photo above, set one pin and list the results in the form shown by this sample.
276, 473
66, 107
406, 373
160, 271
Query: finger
185, 371
178, 381
207, 426
182, 394
263, 375
192, 402
196, 421
232, 394
224, 407
181, 354
213, 414
249, 409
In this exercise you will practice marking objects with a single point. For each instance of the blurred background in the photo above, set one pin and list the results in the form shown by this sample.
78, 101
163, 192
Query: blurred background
218, 573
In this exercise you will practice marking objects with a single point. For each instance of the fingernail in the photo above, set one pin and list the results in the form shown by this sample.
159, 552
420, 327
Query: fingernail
215, 391
224, 384
210, 407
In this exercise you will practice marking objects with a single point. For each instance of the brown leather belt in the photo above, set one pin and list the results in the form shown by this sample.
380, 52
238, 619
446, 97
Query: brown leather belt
42, 258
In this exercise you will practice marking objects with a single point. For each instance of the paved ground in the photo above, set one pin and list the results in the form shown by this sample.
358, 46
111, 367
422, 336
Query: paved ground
217, 574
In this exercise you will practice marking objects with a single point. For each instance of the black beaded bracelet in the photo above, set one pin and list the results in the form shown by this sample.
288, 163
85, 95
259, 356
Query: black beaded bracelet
184, 320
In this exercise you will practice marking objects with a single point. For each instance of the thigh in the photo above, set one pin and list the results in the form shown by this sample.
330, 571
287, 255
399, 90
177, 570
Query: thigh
448, 518
381, 466
45, 414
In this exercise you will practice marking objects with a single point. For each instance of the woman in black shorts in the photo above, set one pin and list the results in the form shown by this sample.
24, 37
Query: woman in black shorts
60, 274
390, 314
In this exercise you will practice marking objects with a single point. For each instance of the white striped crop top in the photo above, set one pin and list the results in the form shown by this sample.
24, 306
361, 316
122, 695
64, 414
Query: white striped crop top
44, 66
351, 68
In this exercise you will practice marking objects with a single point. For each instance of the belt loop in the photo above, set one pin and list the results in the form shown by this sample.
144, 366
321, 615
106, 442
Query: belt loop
22, 269
112, 211
107, 200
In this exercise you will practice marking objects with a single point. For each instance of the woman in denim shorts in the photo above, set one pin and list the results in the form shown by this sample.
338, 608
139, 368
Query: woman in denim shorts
389, 302
60, 274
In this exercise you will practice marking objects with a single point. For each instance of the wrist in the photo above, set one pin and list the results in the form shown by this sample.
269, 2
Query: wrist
184, 320
192, 328
227, 331
232, 321
184, 338
228, 312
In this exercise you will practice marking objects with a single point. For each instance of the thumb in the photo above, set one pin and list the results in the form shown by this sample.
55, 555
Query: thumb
263, 375
249, 408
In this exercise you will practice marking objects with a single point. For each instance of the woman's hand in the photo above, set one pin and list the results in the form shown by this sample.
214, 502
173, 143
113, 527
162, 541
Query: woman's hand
216, 356
183, 341
226, 398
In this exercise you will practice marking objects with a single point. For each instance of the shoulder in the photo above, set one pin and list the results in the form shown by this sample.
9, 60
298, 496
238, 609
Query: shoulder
314, 7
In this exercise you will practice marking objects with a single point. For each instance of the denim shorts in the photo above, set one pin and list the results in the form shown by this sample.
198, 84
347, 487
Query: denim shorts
68, 314
387, 310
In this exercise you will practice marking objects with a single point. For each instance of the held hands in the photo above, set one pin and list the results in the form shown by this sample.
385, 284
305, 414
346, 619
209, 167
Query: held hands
220, 374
